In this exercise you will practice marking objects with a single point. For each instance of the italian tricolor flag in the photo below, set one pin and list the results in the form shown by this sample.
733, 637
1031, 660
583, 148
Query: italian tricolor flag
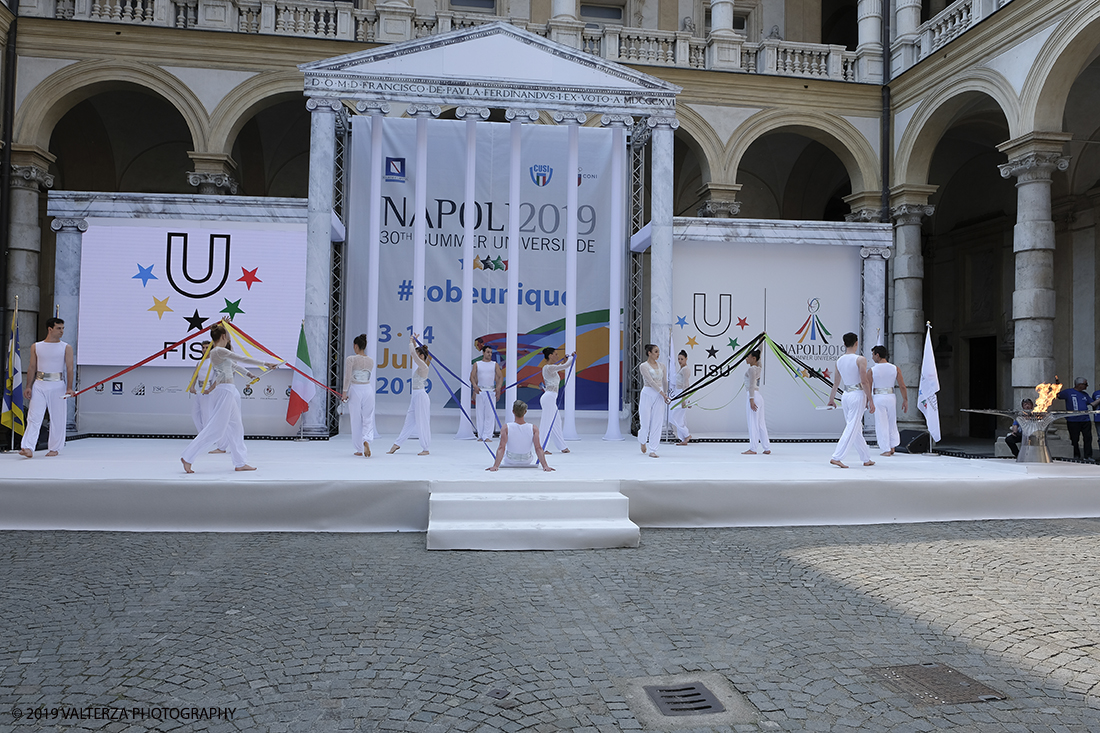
301, 389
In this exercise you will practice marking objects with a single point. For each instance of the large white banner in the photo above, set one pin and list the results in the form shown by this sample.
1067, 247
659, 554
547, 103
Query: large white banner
806, 297
541, 296
146, 284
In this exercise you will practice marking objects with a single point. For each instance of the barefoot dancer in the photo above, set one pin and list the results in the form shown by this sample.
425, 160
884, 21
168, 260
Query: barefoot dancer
419, 415
549, 424
52, 368
487, 379
651, 403
359, 394
883, 376
678, 415
851, 369
519, 443
223, 422
754, 407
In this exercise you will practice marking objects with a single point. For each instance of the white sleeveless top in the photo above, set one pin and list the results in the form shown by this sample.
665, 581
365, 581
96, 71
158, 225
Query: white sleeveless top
884, 376
848, 367
51, 357
486, 374
521, 442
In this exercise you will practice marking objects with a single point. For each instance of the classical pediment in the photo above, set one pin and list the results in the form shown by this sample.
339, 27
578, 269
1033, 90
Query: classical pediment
495, 65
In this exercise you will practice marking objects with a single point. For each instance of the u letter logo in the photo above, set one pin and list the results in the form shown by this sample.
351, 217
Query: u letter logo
721, 324
178, 242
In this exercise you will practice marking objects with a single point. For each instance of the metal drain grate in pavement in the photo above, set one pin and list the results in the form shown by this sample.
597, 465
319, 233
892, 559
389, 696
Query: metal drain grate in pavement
687, 699
934, 684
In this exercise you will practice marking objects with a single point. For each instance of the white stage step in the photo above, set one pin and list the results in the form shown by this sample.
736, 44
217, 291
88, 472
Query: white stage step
537, 520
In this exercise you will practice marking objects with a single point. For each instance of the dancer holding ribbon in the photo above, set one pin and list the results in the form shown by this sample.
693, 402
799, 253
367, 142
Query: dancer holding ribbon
678, 414
852, 371
549, 425
224, 419
52, 368
651, 411
487, 380
754, 407
419, 415
359, 394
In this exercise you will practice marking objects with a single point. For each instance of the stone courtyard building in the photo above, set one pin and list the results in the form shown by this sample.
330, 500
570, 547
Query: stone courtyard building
972, 126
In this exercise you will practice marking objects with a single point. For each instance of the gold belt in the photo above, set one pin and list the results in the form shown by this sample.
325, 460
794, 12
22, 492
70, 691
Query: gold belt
884, 390
49, 376
853, 387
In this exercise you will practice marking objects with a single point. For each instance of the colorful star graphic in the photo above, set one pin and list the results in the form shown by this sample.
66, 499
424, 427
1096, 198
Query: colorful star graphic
232, 307
145, 274
477, 264
161, 306
196, 321
691, 342
711, 352
681, 321
249, 277
742, 322
733, 344
826, 374
486, 263
498, 263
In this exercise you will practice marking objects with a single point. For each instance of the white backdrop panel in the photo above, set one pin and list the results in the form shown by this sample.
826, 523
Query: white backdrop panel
725, 293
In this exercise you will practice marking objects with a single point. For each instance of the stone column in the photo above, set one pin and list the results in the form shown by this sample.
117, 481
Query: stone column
869, 51
619, 124
873, 297
1032, 160
905, 45
29, 177
322, 165
213, 174
723, 43
66, 288
719, 200
908, 317
660, 197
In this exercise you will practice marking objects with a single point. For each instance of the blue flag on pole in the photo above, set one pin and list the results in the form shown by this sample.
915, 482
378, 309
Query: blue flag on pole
13, 415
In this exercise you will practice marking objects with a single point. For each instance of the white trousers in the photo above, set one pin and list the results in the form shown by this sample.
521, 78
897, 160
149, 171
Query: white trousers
758, 428
526, 460
361, 411
46, 396
418, 419
853, 402
485, 417
677, 416
223, 426
549, 404
201, 407
886, 421
651, 418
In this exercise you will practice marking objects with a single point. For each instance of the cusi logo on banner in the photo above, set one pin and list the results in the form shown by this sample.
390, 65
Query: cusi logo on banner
541, 174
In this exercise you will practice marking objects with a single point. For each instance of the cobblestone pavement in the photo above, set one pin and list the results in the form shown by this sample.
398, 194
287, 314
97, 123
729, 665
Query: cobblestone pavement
372, 632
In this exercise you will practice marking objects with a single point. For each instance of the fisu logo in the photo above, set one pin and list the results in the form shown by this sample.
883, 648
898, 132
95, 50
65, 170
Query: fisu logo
177, 261
721, 323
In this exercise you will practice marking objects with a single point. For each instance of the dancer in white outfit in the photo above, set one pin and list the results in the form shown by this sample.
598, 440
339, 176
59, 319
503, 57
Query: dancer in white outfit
51, 365
678, 414
851, 370
224, 420
550, 421
420, 408
487, 379
651, 403
519, 443
359, 394
754, 407
883, 376
202, 404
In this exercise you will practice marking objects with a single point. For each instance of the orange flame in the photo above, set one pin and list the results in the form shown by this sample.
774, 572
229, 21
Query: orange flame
1047, 393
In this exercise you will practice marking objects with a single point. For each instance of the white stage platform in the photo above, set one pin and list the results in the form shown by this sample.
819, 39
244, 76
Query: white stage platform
139, 485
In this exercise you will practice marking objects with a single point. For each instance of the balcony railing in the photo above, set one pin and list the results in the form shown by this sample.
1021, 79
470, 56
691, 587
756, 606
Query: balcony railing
343, 21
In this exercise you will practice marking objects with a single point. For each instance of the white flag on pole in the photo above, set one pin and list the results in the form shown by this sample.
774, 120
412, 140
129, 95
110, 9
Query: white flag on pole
929, 386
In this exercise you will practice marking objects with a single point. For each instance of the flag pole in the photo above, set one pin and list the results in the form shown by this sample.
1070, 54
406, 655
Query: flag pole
931, 440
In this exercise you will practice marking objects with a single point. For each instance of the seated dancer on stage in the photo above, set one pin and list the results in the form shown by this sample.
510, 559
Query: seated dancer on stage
754, 407
519, 443
202, 401
1015, 433
224, 419
420, 408
883, 376
359, 394
678, 415
52, 366
487, 379
851, 369
651, 411
550, 421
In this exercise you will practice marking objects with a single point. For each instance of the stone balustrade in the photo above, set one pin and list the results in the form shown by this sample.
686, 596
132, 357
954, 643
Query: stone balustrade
340, 20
